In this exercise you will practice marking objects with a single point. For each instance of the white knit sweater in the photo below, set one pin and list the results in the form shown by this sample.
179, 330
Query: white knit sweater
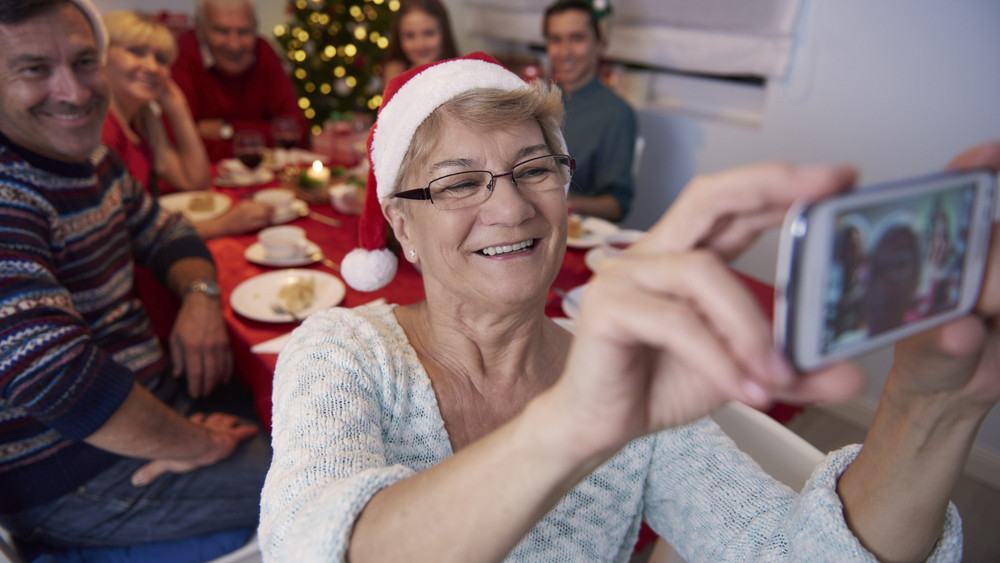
354, 412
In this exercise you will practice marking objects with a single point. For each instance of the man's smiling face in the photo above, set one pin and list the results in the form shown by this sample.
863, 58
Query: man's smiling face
53, 91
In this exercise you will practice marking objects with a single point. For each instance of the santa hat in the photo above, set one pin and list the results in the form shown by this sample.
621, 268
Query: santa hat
407, 101
96, 23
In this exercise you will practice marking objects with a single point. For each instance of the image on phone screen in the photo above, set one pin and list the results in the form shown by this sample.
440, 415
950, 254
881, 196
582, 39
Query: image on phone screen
895, 263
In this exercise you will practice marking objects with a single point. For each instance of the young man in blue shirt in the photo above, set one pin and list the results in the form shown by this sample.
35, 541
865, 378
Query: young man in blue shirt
600, 128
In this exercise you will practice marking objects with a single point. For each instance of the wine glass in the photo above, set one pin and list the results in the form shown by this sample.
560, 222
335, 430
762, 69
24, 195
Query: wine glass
286, 133
248, 147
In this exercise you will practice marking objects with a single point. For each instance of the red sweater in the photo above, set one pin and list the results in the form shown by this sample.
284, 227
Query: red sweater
248, 101
137, 157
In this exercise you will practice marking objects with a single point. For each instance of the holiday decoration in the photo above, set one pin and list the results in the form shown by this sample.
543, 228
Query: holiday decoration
335, 48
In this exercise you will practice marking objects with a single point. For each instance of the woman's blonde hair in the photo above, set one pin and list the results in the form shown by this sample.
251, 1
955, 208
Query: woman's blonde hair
127, 28
489, 109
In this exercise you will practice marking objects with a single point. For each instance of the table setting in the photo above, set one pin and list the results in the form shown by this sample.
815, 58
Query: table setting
273, 279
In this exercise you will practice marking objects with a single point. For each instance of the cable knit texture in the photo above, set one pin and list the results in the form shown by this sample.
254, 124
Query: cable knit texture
354, 411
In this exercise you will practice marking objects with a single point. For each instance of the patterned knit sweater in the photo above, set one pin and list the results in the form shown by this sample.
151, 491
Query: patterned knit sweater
73, 337
354, 411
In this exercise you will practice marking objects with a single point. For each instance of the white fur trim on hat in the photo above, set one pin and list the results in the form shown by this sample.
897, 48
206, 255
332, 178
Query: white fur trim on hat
96, 23
368, 270
417, 99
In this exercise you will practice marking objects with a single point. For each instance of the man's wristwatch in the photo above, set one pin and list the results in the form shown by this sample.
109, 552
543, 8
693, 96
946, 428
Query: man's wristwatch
208, 287
226, 130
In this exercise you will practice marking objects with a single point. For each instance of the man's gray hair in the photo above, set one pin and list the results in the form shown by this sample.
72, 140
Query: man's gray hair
200, 5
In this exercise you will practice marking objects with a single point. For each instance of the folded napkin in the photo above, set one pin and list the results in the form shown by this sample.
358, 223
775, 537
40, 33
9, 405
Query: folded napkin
272, 346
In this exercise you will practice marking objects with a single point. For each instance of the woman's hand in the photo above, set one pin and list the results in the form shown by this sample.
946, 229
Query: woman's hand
726, 211
960, 360
666, 333
247, 217
942, 383
172, 99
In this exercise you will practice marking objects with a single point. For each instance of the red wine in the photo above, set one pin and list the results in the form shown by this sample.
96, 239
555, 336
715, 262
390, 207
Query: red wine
251, 160
286, 143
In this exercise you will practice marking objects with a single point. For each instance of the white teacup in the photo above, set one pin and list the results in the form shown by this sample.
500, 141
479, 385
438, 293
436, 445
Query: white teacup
618, 241
284, 242
347, 198
279, 198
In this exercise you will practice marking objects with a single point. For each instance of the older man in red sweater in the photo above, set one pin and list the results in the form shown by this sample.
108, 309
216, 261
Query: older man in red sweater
233, 80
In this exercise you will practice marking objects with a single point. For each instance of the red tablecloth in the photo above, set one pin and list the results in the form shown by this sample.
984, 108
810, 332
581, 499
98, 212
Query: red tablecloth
257, 370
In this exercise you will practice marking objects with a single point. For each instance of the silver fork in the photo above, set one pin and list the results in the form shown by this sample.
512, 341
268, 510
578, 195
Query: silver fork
280, 309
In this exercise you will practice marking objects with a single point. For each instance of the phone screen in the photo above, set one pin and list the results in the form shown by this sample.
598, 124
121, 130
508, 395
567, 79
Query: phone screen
895, 263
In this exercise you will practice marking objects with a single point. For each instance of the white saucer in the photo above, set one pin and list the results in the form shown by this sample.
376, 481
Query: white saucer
254, 297
298, 208
571, 301
594, 257
594, 231
178, 203
233, 174
258, 255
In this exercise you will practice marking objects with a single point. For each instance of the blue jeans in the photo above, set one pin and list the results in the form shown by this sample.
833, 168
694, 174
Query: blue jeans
108, 510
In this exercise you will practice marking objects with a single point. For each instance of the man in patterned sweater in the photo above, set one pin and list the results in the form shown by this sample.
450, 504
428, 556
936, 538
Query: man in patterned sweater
89, 415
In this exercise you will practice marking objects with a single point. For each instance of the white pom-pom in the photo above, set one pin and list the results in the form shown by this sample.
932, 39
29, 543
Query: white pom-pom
368, 270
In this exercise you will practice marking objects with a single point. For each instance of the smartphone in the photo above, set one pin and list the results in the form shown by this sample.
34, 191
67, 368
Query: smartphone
863, 269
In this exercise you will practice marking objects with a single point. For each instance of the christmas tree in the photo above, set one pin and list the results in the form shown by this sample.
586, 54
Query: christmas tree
335, 48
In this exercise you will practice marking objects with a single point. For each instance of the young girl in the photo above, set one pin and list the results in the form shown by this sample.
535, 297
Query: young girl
420, 34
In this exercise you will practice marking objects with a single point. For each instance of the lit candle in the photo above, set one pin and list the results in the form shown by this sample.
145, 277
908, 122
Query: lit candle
316, 177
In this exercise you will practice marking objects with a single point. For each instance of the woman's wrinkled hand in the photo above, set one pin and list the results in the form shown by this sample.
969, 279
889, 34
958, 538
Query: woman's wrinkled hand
247, 216
667, 333
959, 361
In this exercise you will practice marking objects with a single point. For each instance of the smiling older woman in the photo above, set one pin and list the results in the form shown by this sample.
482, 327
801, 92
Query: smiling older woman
471, 427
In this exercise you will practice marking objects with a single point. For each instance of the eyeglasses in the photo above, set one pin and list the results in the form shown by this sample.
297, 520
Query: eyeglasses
473, 187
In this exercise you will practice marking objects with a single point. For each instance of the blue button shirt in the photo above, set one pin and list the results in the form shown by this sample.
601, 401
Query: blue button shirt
600, 130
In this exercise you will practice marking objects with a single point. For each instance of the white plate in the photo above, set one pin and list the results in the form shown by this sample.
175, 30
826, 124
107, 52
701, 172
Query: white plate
594, 231
295, 156
178, 203
594, 257
571, 301
298, 208
254, 297
258, 255
233, 174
